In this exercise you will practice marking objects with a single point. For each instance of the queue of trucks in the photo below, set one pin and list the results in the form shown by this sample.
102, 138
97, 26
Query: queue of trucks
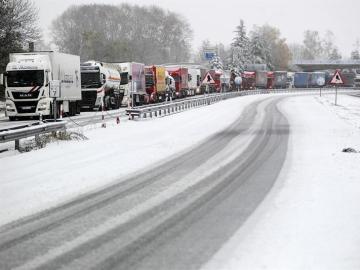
94, 85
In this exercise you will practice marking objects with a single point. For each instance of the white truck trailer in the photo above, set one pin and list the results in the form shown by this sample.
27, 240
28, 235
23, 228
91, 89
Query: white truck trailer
100, 86
27, 84
132, 84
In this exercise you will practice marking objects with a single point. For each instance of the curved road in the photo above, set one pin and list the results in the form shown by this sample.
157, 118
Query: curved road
173, 216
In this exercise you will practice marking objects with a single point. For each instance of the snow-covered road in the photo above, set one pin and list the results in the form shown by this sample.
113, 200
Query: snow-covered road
64, 170
310, 219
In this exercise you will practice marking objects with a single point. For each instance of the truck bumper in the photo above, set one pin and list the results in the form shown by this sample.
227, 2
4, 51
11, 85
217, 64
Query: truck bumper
28, 108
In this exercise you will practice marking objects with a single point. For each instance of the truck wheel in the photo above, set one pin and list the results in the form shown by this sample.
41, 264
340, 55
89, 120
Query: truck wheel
78, 107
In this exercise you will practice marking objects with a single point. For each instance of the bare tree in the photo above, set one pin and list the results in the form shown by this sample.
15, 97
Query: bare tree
18, 25
269, 48
312, 45
123, 33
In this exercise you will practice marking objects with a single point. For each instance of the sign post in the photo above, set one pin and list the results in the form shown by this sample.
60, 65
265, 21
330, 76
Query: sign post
320, 82
337, 80
54, 92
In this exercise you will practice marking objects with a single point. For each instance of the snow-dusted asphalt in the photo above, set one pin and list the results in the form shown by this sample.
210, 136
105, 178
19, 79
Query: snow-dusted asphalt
173, 216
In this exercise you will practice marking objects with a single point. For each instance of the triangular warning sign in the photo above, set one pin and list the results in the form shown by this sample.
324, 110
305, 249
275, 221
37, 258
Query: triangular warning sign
208, 79
337, 79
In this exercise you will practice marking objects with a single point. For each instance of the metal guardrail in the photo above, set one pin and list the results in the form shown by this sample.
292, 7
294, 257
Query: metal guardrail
177, 106
18, 133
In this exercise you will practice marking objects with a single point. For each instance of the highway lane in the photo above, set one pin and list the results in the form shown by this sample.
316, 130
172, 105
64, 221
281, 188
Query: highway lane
175, 215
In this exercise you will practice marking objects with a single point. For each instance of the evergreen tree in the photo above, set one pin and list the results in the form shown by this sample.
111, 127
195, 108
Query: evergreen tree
240, 48
216, 63
258, 49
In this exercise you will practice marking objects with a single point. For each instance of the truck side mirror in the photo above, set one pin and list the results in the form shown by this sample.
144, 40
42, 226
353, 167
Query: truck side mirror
47, 77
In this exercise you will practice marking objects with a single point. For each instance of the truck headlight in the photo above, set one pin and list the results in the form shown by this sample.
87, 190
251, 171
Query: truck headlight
42, 105
10, 107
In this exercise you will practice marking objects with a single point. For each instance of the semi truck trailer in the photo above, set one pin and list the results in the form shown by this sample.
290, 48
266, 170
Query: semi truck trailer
155, 81
132, 84
27, 84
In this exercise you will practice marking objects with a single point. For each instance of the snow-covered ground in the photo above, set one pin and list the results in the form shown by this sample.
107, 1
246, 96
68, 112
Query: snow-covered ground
311, 218
61, 171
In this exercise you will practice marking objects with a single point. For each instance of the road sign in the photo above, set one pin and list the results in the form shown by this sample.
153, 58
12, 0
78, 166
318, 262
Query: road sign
238, 80
337, 79
208, 79
320, 81
55, 88
209, 55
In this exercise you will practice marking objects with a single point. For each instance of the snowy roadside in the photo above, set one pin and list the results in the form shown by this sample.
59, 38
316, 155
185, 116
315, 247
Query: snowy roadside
40, 179
311, 218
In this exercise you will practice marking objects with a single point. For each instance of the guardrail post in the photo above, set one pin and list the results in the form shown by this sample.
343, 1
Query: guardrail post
37, 140
17, 145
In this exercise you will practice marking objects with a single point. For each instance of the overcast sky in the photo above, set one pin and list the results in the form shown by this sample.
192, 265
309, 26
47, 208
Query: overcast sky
216, 20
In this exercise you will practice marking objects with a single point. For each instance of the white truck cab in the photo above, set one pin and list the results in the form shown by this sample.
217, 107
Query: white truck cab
100, 85
27, 80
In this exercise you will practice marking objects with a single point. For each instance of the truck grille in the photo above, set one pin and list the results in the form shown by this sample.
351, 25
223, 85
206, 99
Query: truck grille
88, 98
26, 106
24, 95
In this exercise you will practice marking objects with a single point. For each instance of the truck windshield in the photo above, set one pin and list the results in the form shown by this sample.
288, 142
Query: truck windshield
176, 77
149, 80
25, 78
124, 78
90, 79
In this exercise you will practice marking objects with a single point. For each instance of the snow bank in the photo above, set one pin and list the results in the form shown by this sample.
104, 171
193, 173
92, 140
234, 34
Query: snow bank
61, 171
311, 218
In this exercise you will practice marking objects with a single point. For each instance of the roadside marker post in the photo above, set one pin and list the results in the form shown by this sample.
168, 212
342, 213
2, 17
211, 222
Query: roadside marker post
54, 92
103, 125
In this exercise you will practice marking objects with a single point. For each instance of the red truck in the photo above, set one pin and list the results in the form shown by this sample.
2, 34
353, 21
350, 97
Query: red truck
180, 75
248, 80
216, 74
270, 80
